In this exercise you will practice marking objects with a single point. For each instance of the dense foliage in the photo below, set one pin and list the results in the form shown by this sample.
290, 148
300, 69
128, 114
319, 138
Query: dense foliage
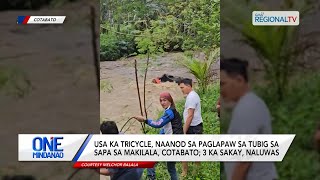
139, 26
202, 69
298, 113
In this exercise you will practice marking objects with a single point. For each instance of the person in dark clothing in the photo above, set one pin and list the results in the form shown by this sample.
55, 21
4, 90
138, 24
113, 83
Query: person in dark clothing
167, 78
171, 123
110, 127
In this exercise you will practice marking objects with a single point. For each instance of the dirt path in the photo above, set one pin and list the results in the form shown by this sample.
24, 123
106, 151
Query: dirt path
121, 101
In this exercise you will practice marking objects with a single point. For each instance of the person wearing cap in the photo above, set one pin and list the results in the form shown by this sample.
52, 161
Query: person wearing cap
170, 123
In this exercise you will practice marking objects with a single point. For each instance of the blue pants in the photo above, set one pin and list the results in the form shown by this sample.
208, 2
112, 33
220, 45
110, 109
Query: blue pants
140, 172
126, 173
171, 166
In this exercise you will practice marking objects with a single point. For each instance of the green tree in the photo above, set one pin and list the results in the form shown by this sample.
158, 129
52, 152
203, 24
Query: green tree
173, 24
201, 69
278, 47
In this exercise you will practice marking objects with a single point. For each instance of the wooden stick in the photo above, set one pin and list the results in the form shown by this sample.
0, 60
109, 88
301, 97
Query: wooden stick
137, 82
94, 45
74, 173
144, 86
126, 123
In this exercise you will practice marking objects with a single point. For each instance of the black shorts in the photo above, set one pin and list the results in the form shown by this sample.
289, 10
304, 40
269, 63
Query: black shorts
198, 129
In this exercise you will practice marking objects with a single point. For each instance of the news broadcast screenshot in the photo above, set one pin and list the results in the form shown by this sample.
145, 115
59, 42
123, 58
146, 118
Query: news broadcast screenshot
160, 90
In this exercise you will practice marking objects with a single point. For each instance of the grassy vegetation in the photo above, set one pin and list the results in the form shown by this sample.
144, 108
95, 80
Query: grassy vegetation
31, 4
208, 170
14, 82
298, 113
105, 86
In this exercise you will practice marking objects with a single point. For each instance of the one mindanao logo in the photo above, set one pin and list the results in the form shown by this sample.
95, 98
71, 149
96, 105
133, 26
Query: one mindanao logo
275, 18
44, 148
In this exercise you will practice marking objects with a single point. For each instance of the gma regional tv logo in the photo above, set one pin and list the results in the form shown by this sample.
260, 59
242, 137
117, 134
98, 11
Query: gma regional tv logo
45, 148
275, 18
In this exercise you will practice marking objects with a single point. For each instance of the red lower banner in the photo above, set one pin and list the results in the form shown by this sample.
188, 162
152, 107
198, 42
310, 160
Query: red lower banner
89, 164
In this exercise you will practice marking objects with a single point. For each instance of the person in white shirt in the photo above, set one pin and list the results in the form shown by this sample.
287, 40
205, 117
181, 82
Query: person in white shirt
191, 115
